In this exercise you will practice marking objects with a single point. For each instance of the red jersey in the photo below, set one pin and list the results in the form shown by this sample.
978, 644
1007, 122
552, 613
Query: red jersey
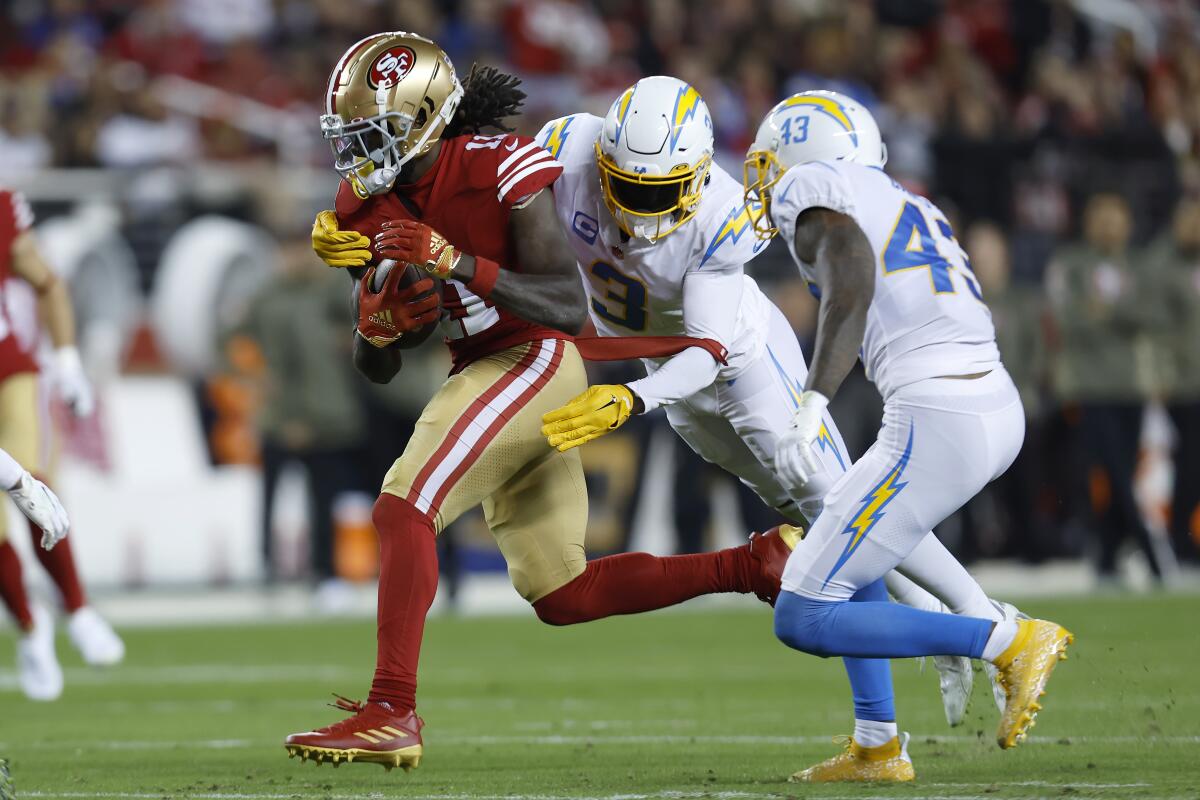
467, 197
15, 218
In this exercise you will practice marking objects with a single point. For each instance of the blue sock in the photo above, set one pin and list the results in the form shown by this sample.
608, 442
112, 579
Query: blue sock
875, 630
871, 678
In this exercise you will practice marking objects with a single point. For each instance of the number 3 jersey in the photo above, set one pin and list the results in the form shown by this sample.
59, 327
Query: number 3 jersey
927, 317
467, 196
641, 288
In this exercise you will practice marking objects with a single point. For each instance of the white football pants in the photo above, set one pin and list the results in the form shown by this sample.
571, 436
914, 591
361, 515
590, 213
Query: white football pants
735, 425
942, 440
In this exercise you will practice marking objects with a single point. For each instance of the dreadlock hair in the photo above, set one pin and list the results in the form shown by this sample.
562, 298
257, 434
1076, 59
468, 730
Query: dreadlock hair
489, 96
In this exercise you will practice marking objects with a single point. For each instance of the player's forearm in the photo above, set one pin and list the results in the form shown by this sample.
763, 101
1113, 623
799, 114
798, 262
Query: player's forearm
376, 364
555, 301
682, 376
54, 306
10, 471
840, 331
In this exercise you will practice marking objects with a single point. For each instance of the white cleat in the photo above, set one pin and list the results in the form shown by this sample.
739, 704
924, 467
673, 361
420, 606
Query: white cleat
1011, 614
94, 638
38, 670
955, 678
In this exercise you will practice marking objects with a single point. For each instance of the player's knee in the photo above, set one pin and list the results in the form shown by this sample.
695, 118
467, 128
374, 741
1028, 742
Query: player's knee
392, 515
567, 605
800, 623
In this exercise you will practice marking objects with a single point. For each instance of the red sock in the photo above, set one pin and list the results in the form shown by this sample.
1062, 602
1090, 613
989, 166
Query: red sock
634, 582
60, 563
408, 577
12, 587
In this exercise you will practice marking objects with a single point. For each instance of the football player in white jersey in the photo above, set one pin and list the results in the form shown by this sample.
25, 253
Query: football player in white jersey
895, 289
661, 235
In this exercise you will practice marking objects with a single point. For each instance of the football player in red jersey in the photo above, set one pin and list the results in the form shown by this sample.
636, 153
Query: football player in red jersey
423, 186
23, 435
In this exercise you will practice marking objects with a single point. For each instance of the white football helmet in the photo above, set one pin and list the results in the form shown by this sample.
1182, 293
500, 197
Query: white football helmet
654, 153
810, 126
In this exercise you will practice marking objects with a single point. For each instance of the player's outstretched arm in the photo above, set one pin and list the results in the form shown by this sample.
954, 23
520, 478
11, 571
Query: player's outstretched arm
845, 269
54, 307
35, 500
547, 290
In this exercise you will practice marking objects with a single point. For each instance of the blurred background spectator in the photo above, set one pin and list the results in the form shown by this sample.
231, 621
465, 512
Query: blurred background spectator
1055, 131
309, 411
1101, 313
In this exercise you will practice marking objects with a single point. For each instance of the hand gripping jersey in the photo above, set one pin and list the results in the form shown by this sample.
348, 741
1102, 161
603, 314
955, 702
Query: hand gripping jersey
467, 196
927, 318
16, 355
639, 288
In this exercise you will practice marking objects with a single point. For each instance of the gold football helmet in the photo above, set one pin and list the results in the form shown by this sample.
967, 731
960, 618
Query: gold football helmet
389, 98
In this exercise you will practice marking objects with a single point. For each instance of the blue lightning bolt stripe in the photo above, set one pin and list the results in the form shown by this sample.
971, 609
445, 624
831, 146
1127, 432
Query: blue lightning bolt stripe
795, 389
686, 103
557, 136
873, 505
830, 108
737, 222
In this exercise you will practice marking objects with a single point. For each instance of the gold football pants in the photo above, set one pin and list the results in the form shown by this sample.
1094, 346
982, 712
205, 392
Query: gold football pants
479, 440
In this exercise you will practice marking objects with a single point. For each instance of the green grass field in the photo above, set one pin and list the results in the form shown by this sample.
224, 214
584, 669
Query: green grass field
675, 705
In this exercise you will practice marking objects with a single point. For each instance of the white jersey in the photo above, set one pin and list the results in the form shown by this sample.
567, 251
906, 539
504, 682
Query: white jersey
927, 318
639, 288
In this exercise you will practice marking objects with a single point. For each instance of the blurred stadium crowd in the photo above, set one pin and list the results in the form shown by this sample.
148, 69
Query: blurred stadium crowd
1063, 138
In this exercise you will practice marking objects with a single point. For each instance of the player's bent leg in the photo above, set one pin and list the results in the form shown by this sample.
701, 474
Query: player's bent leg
633, 583
464, 447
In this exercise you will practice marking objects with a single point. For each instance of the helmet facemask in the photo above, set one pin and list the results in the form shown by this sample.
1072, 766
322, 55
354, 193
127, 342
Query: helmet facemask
651, 206
760, 172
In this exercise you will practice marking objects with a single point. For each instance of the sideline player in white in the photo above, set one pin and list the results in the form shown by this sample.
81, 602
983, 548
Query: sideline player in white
895, 289
661, 236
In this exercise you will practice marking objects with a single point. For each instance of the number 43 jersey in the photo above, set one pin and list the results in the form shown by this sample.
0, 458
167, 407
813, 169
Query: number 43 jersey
636, 287
927, 318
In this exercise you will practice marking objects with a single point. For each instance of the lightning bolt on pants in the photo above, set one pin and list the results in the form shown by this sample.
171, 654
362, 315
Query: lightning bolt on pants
941, 441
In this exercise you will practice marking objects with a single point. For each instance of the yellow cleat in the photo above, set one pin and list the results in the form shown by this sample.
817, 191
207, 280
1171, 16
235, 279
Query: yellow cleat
887, 763
1022, 671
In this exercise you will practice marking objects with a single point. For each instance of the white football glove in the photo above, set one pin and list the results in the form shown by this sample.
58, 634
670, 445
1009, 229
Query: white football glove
796, 460
43, 508
70, 381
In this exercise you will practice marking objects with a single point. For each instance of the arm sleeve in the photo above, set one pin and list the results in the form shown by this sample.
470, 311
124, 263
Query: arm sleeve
10, 471
524, 169
711, 300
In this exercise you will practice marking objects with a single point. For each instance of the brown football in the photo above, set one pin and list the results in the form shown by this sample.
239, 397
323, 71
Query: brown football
411, 275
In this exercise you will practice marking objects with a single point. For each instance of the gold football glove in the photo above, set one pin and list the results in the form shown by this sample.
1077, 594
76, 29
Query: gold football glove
592, 414
339, 248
